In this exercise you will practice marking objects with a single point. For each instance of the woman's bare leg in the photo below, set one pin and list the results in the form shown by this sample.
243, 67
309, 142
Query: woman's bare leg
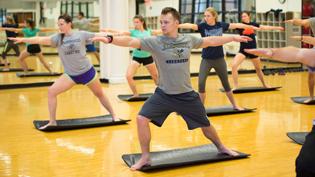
257, 64
62, 84
153, 72
24, 54
311, 83
131, 71
96, 88
238, 59
42, 60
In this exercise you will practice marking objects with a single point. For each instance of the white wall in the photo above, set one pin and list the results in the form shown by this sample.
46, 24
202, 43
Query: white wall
158, 5
23, 6
289, 5
132, 11
52, 12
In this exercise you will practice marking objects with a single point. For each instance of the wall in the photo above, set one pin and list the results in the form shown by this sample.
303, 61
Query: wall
289, 5
157, 6
17, 5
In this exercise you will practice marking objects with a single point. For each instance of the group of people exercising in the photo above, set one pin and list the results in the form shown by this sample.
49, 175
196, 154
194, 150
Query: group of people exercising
166, 55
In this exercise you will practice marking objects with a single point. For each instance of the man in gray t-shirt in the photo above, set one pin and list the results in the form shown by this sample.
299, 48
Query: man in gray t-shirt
171, 53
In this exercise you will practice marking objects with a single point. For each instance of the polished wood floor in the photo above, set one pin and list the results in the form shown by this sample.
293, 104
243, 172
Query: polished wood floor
24, 151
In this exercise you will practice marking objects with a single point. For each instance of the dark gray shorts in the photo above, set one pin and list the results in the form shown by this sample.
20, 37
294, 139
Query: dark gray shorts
188, 105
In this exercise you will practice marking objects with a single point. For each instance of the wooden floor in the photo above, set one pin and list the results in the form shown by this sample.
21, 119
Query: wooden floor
97, 152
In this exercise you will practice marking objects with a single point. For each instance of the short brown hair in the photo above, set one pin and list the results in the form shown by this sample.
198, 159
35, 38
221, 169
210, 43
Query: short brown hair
172, 11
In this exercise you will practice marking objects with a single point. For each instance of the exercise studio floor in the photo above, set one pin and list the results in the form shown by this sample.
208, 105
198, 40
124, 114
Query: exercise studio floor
96, 152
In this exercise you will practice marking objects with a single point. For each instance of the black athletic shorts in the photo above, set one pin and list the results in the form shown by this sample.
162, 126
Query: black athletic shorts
188, 105
33, 48
249, 45
144, 61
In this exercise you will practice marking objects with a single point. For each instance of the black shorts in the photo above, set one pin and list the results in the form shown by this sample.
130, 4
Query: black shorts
33, 48
144, 61
188, 105
249, 45
247, 55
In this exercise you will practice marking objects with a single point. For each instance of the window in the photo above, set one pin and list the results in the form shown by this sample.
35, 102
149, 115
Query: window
73, 8
228, 10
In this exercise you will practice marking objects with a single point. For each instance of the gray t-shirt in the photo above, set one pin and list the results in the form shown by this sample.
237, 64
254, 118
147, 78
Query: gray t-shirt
172, 58
73, 52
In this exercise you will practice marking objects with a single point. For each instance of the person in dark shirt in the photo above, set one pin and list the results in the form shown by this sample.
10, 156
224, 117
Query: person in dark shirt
241, 55
305, 162
9, 23
213, 57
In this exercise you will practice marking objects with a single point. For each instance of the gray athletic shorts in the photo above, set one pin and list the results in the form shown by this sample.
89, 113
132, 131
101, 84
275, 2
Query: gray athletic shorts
188, 105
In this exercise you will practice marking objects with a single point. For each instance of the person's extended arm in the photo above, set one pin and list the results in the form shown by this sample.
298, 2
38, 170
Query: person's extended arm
265, 27
116, 32
220, 40
299, 22
306, 39
241, 26
33, 40
16, 30
48, 30
123, 41
188, 26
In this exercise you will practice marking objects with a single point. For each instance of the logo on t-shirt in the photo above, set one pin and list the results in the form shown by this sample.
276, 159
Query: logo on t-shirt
214, 32
71, 49
181, 58
248, 31
176, 61
179, 52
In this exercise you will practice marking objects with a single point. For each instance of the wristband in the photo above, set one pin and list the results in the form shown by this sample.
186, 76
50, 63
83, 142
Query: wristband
110, 38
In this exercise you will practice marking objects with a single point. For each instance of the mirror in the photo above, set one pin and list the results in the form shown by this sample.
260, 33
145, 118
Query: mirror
45, 13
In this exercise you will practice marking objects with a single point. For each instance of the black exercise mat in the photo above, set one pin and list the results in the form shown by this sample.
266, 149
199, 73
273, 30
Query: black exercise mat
301, 100
141, 97
298, 137
37, 74
252, 89
69, 124
13, 70
224, 110
181, 157
25, 85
